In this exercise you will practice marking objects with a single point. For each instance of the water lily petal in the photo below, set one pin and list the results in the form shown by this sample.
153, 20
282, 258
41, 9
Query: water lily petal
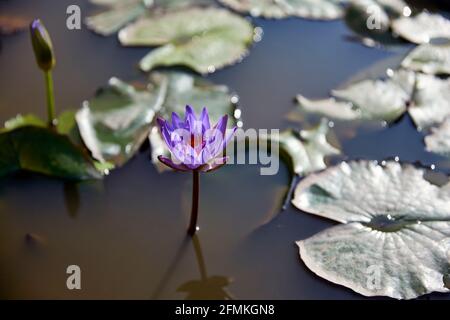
216, 164
190, 113
168, 162
214, 142
228, 136
205, 120
222, 124
177, 123
165, 131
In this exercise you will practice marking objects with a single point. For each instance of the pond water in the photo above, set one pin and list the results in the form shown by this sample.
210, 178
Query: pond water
127, 232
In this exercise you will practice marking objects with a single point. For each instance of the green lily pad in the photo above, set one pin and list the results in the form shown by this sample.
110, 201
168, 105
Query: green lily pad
429, 58
312, 9
371, 20
431, 101
422, 28
305, 150
117, 15
22, 121
387, 100
186, 89
395, 231
425, 97
116, 122
203, 39
439, 139
41, 150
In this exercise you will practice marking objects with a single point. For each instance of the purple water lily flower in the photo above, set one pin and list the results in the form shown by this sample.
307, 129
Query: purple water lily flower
193, 143
195, 146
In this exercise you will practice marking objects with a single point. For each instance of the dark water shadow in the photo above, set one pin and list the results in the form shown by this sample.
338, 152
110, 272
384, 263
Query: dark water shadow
71, 198
207, 287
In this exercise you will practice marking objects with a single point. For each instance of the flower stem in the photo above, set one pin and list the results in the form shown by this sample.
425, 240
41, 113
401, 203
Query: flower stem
50, 98
195, 195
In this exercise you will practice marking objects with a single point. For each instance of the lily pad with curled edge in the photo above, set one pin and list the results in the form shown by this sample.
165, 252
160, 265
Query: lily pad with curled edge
395, 231
439, 139
304, 151
116, 122
42, 150
186, 89
425, 97
311, 9
429, 58
431, 101
119, 13
371, 20
368, 99
422, 28
203, 39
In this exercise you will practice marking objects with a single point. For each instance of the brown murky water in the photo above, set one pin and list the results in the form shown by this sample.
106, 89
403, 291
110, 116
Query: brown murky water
127, 233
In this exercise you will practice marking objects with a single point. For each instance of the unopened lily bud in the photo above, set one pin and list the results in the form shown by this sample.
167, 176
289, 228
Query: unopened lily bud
42, 45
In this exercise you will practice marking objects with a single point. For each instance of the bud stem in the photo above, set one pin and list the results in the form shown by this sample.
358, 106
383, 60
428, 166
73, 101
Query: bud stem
195, 195
50, 98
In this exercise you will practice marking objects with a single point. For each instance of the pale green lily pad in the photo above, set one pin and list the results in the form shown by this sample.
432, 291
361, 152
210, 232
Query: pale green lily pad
312, 9
185, 89
431, 102
422, 28
305, 150
368, 99
42, 150
425, 97
203, 39
371, 20
117, 121
439, 139
119, 13
429, 58
394, 240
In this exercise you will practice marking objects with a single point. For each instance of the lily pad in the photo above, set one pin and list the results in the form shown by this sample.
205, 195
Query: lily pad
368, 99
306, 149
22, 121
422, 28
312, 9
41, 150
118, 13
425, 97
429, 58
116, 122
203, 39
185, 89
394, 236
431, 101
371, 20
439, 139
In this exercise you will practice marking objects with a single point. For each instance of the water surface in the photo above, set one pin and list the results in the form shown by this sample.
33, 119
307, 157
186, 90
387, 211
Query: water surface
127, 232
